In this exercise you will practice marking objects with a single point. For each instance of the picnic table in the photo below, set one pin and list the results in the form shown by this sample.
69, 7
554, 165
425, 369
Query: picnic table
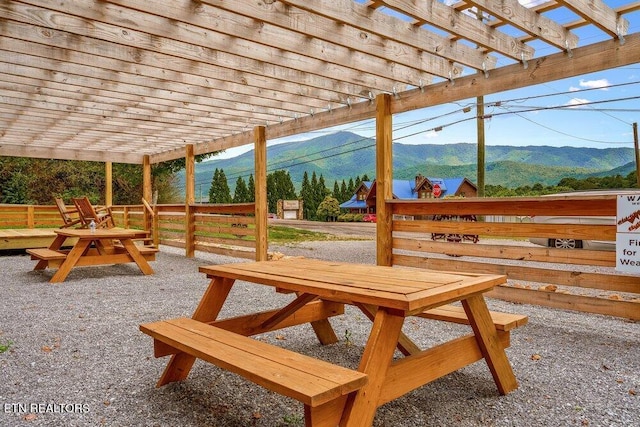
102, 246
333, 394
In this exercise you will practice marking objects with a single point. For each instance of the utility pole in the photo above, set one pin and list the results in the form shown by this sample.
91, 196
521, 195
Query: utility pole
481, 145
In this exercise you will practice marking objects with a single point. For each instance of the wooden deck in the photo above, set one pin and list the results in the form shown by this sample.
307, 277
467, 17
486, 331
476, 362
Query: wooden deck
25, 238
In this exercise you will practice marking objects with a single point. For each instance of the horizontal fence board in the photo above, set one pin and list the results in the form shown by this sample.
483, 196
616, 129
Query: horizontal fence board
230, 208
162, 209
219, 250
171, 226
604, 205
225, 219
176, 243
575, 278
520, 253
509, 229
178, 218
225, 241
237, 231
587, 304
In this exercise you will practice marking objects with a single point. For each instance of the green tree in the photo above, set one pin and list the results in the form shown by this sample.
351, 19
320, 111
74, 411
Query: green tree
357, 182
351, 188
306, 194
47, 178
329, 209
312, 201
336, 190
219, 191
241, 194
251, 189
279, 186
344, 193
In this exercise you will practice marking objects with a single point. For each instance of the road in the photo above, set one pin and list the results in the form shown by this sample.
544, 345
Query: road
349, 229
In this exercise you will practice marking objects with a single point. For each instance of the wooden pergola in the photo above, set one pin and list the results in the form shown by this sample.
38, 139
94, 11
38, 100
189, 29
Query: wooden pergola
138, 81
117, 80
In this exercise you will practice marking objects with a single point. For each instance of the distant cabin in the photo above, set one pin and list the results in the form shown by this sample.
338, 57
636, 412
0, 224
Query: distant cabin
364, 199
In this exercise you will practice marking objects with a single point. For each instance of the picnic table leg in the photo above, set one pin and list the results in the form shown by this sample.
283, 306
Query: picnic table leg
70, 261
208, 309
405, 344
478, 314
54, 246
324, 331
376, 359
132, 250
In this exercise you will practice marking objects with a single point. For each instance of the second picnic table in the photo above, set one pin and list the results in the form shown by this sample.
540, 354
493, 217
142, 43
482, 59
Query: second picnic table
332, 394
102, 246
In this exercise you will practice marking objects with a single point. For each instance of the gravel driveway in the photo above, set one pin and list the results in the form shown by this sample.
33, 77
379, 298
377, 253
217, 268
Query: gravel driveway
77, 358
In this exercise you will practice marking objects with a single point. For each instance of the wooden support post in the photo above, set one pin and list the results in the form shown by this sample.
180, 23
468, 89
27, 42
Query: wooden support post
146, 178
261, 203
146, 191
384, 179
189, 215
108, 184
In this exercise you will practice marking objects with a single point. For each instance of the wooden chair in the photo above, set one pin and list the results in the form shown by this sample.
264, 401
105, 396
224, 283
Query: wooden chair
69, 216
101, 216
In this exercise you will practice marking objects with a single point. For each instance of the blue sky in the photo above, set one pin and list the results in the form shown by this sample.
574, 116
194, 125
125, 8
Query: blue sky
594, 110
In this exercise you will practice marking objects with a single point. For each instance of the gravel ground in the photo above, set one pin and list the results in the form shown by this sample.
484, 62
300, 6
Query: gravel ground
77, 358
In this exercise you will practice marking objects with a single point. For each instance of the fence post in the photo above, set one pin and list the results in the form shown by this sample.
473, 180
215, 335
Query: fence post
31, 220
189, 208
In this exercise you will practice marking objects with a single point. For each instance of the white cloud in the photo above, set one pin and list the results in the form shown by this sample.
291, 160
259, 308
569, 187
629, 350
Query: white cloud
595, 84
431, 134
573, 89
531, 3
577, 101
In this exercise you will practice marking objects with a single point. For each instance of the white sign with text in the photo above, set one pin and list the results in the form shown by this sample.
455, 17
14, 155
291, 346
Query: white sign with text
628, 233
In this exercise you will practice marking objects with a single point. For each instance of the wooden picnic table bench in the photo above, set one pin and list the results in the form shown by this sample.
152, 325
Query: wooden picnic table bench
384, 294
319, 385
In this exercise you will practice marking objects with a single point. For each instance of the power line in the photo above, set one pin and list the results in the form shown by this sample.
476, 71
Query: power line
466, 108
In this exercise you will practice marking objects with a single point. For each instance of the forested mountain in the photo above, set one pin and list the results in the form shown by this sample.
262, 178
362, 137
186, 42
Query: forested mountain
343, 155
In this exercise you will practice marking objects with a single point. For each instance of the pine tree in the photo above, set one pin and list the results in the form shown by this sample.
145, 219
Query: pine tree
214, 184
365, 177
219, 191
241, 194
321, 190
251, 189
312, 202
336, 190
306, 194
344, 193
352, 187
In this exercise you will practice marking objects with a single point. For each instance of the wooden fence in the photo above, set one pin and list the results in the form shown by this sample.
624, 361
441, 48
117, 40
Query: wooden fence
574, 279
225, 229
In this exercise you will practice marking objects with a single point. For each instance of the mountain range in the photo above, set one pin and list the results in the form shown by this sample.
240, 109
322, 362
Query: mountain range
345, 155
